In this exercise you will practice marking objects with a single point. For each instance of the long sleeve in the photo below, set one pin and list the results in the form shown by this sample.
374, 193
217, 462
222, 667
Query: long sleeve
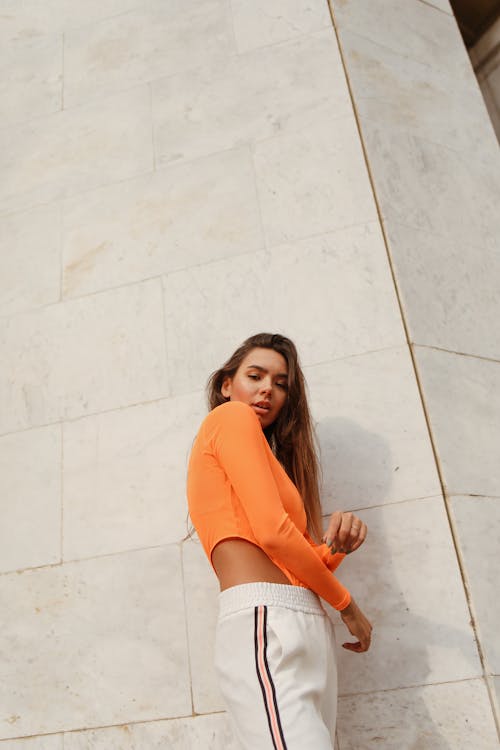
332, 562
240, 447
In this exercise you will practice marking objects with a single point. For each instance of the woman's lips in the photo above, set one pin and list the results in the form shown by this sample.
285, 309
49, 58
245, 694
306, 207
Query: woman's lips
260, 409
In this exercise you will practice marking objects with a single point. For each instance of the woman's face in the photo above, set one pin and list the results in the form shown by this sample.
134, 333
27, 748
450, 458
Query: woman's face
261, 381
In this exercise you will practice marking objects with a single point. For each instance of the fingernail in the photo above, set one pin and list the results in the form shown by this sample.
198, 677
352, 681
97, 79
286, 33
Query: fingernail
328, 541
333, 550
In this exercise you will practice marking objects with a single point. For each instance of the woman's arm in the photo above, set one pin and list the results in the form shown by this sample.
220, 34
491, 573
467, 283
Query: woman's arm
239, 445
332, 561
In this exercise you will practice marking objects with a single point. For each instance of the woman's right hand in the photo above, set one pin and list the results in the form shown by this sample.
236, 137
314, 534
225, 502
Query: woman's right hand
358, 625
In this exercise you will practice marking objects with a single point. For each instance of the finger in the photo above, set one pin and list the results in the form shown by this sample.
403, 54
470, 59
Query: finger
333, 527
344, 530
361, 537
352, 647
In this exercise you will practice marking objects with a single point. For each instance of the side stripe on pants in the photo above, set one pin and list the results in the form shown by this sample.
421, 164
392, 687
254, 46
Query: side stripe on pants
265, 679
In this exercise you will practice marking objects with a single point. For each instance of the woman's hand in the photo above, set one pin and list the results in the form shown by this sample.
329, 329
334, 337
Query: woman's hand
358, 626
346, 532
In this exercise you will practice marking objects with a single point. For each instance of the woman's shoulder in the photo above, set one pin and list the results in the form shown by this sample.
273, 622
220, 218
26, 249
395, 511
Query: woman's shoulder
229, 414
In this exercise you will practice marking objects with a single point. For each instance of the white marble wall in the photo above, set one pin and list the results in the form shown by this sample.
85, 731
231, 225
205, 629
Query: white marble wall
485, 57
175, 177
435, 168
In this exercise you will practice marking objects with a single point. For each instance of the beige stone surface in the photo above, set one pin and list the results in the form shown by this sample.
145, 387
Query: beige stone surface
454, 715
496, 683
329, 278
462, 397
373, 437
264, 92
47, 742
92, 643
73, 151
478, 524
84, 356
146, 43
30, 498
313, 181
211, 732
448, 288
32, 19
31, 78
406, 95
30, 259
124, 476
265, 22
179, 216
201, 593
431, 187
411, 28
406, 579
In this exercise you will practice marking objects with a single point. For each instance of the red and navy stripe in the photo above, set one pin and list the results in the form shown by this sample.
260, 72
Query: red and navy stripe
266, 680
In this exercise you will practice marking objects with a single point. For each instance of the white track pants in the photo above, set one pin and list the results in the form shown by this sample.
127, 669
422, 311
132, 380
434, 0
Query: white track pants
275, 661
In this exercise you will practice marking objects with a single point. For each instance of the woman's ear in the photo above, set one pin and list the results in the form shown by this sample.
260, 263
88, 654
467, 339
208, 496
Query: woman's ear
225, 388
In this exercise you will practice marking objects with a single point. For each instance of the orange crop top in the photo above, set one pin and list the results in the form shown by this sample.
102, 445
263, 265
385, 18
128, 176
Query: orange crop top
236, 487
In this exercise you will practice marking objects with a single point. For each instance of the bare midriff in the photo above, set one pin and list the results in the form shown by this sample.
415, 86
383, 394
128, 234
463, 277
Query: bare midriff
239, 561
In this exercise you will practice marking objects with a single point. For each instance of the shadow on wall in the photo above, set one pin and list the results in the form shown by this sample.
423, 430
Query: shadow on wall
389, 567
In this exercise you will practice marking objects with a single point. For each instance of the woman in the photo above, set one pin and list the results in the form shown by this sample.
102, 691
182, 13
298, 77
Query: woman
253, 497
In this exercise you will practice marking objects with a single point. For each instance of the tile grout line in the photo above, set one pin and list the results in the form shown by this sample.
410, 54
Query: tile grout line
261, 248
199, 391
452, 527
478, 678
98, 727
435, 7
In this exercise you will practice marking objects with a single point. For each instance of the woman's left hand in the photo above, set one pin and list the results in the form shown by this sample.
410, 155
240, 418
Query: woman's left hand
346, 532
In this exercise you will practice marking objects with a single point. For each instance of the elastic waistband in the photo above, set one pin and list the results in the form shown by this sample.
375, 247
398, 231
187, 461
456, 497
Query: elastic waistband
246, 595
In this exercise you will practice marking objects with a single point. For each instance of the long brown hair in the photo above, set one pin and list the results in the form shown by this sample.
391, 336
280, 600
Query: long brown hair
291, 436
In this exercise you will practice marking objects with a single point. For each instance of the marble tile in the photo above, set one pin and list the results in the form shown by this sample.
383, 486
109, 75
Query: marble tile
411, 28
462, 396
477, 520
455, 715
278, 89
313, 181
125, 476
264, 22
43, 742
443, 5
405, 95
496, 683
201, 591
80, 357
70, 152
341, 278
169, 219
30, 79
31, 19
449, 290
374, 442
209, 732
428, 186
156, 39
89, 644
30, 498
30, 259
407, 581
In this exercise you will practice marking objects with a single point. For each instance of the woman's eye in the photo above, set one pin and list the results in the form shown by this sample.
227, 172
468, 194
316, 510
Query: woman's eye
282, 385
254, 377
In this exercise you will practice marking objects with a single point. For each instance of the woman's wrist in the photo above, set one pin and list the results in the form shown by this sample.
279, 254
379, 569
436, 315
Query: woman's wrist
350, 609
